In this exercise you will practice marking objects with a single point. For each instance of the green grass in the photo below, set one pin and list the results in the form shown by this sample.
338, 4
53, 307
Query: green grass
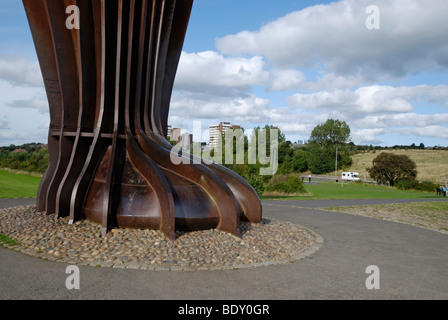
5, 240
13, 185
332, 190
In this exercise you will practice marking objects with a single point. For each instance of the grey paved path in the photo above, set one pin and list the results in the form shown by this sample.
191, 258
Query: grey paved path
413, 264
8, 203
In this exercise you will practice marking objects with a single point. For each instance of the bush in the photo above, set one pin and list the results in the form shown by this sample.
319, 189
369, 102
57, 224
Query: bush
256, 182
286, 184
406, 184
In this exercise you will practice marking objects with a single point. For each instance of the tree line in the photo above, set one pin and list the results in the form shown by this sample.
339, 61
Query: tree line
413, 146
30, 157
329, 148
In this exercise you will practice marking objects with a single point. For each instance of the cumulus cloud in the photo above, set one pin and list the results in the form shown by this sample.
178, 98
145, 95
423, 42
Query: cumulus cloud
428, 132
214, 87
4, 124
402, 120
188, 105
210, 71
373, 99
20, 72
333, 38
286, 80
303, 129
367, 136
39, 102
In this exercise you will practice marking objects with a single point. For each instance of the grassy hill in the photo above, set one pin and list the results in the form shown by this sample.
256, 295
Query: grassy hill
432, 165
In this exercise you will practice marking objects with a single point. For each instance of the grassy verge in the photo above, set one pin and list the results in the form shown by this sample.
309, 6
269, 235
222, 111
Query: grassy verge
430, 215
332, 190
5, 240
13, 185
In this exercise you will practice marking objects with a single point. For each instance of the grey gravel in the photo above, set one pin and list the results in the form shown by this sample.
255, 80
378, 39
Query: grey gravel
44, 236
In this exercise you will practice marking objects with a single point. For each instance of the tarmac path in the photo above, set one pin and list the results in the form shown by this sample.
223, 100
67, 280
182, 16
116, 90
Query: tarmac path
413, 264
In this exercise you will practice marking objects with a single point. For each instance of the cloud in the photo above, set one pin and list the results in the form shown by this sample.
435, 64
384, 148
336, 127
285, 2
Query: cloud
373, 99
188, 105
38, 102
210, 86
20, 72
367, 136
402, 120
334, 39
286, 80
296, 128
210, 71
4, 124
428, 132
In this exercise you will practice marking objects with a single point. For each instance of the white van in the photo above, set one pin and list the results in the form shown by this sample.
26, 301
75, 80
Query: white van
350, 176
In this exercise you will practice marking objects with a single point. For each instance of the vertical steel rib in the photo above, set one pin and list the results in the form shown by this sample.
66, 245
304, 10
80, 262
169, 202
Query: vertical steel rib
146, 167
83, 43
66, 65
39, 22
108, 193
98, 145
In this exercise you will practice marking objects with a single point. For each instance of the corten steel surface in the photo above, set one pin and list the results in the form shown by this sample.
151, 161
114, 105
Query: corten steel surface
109, 87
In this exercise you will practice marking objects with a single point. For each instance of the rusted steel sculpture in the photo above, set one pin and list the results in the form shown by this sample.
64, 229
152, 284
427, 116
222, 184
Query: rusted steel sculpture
109, 86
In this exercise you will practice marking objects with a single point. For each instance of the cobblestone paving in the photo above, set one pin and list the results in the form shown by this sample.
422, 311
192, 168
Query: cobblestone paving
44, 236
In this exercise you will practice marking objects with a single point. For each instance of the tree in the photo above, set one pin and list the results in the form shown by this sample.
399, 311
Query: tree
333, 133
322, 160
389, 167
324, 140
300, 160
285, 154
285, 151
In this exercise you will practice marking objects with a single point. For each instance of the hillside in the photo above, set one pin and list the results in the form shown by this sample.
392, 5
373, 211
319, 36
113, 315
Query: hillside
432, 165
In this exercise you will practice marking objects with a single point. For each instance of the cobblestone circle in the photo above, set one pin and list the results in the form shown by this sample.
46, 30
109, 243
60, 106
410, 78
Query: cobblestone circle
44, 236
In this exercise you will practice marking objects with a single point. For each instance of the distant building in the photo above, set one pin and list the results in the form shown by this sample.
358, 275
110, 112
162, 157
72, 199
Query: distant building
217, 130
183, 140
175, 134
170, 132
20, 151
